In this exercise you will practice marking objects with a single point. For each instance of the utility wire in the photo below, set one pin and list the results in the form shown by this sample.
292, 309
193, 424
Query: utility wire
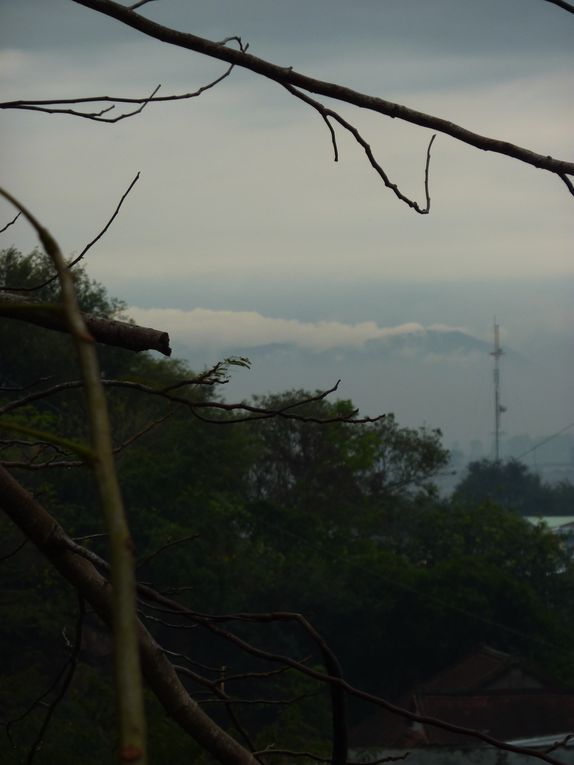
545, 440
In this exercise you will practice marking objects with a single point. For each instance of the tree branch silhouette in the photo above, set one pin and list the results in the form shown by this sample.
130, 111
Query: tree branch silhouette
287, 76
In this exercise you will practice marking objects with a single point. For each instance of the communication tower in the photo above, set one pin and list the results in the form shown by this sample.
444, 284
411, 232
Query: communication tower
499, 409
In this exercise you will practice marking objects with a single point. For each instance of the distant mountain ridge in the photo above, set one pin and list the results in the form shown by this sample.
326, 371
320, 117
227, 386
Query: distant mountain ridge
423, 342
443, 342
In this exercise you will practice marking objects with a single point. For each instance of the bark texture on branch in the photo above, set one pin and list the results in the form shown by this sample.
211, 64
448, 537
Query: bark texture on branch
288, 76
50, 538
107, 331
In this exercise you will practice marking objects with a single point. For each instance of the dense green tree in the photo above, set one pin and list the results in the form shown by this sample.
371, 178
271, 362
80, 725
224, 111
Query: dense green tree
515, 487
339, 522
341, 472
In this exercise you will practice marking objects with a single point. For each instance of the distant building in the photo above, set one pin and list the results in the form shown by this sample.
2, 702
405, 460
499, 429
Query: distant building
561, 525
489, 691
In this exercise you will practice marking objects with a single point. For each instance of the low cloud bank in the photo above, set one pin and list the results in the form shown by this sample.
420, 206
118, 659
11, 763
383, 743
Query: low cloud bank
206, 328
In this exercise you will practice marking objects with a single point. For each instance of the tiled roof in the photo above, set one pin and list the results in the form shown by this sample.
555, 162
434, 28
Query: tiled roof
470, 673
487, 690
504, 715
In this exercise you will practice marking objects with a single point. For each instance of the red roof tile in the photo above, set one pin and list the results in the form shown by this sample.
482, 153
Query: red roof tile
505, 715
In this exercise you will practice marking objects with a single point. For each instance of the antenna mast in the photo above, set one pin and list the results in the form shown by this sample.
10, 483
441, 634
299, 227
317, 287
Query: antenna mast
498, 408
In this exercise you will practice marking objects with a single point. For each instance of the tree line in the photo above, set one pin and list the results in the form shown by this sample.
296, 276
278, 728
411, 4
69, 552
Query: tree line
339, 522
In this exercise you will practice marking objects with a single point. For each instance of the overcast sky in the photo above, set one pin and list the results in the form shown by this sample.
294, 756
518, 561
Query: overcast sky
241, 212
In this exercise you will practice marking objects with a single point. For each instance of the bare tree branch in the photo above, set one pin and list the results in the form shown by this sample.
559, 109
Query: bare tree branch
70, 669
221, 697
31, 518
171, 543
568, 182
562, 4
8, 724
230, 700
127, 674
13, 552
10, 223
55, 105
11, 389
88, 247
288, 76
255, 412
189, 660
140, 3
328, 114
207, 621
121, 334
32, 464
560, 743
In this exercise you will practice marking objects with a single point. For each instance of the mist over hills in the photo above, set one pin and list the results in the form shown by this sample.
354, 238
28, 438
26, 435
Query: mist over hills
420, 343
437, 377
438, 374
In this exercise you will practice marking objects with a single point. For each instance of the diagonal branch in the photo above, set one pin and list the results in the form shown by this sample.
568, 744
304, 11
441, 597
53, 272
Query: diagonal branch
562, 4
49, 537
84, 252
10, 223
127, 674
288, 76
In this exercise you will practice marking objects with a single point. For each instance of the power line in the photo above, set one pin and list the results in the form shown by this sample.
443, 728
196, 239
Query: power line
546, 440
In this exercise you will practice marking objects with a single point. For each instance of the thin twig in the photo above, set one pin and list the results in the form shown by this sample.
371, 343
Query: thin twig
561, 743
167, 546
20, 388
36, 702
139, 4
215, 375
13, 552
222, 697
71, 668
199, 665
328, 114
53, 106
52, 463
10, 223
260, 675
256, 412
262, 702
88, 247
87, 537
